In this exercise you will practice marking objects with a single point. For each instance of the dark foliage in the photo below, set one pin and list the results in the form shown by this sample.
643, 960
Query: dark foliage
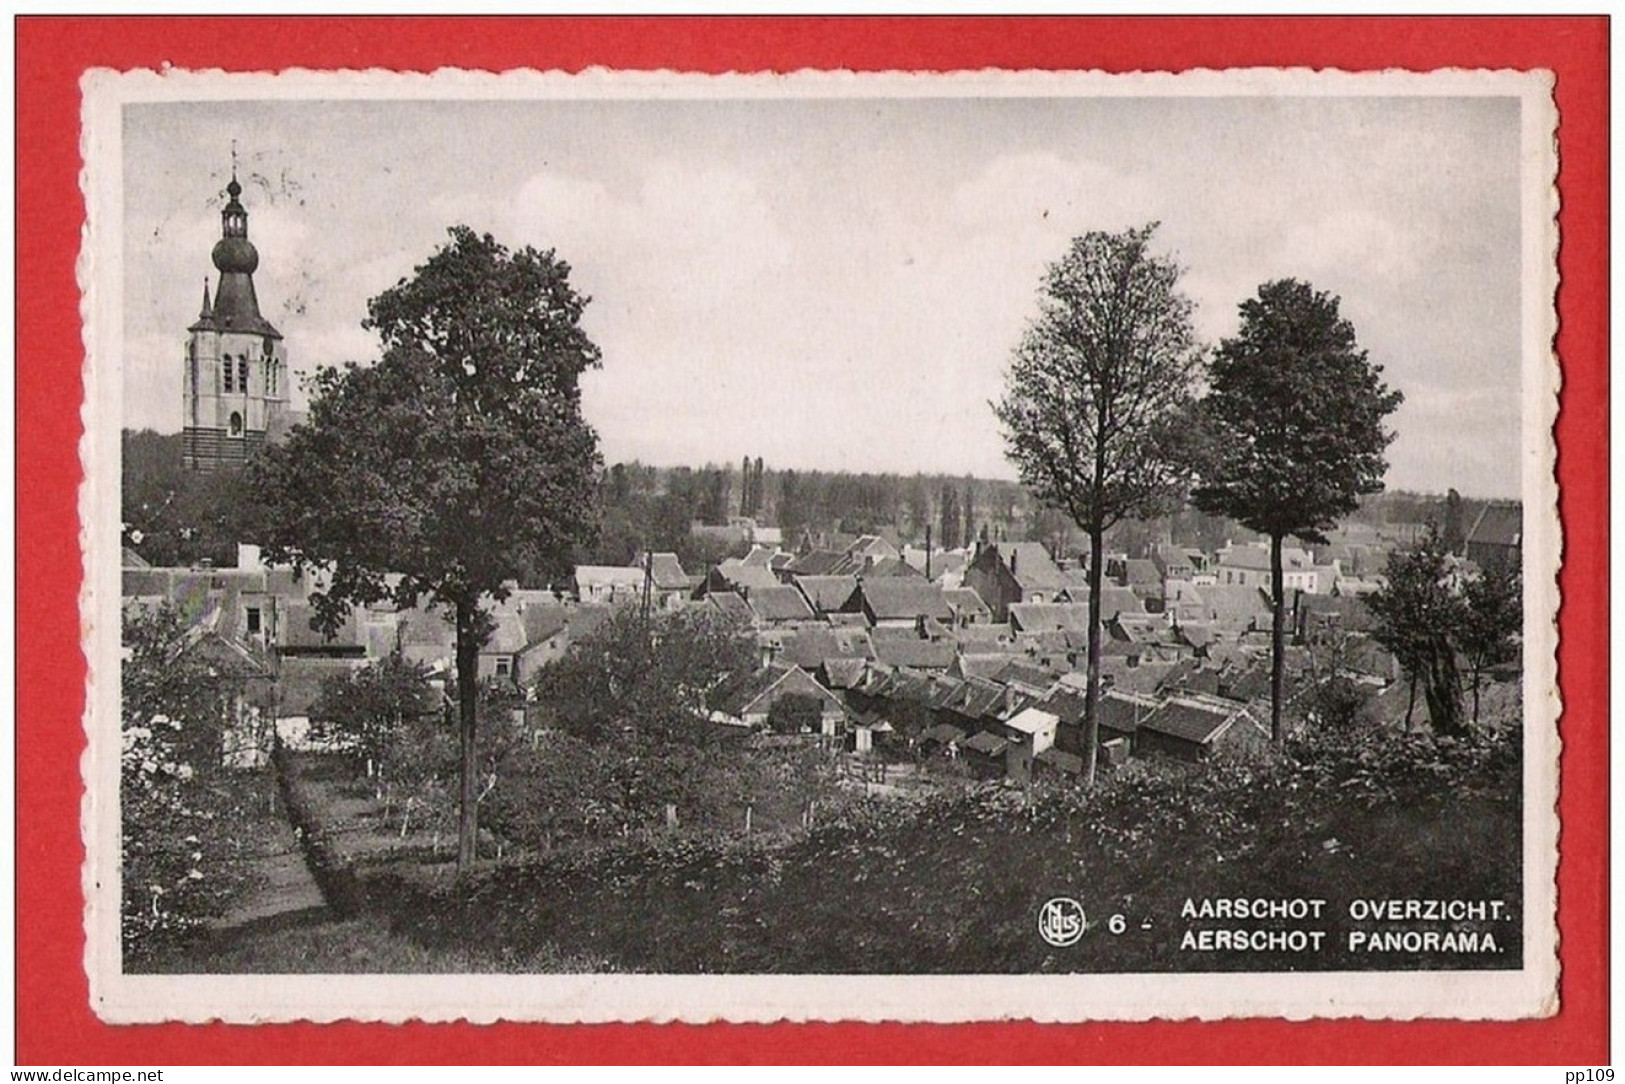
1096, 401
1293, 427
460, 462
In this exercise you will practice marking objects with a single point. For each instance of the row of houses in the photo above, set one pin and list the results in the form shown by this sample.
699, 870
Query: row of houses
1020, 723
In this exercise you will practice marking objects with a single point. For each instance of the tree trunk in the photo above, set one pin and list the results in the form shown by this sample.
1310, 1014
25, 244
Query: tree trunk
1410, 707
1442, 690
468, 691
1091, 692
1478, 676
1277, 642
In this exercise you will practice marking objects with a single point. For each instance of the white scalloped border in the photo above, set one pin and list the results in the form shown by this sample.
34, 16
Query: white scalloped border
121, 998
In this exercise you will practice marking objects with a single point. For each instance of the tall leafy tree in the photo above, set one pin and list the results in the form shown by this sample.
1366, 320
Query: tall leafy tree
1455, 526
1295, 419
949, 514
1491, 623
1093, 398
370, 710
457, 464
969, 511
1419, 617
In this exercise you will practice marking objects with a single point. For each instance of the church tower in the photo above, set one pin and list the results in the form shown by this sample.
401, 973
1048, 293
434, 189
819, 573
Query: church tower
236, 381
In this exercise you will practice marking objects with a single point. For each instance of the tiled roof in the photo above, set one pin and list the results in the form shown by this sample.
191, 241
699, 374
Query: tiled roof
986, 743
508, 638
982, 665
668, 572
608, 576
844, 672
758, 557
780, 603
1032, 721
893, 598
543, 622
1190, 720
1143, 678
892, 566
1035, 569
916, 653
811, 646
1138, 570
1498, 525
778, 680
296, 632
1066, 704
1018, 672
988, 636
965, 600
1116, 600
1049, 616
731, 605
817, 563
827, 593
1123, 711
1232, 604
750, 577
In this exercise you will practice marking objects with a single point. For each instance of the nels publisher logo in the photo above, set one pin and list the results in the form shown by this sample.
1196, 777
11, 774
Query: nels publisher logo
1060, 921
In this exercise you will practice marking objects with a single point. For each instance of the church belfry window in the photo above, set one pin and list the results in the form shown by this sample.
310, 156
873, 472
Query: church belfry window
226, 374
242, 374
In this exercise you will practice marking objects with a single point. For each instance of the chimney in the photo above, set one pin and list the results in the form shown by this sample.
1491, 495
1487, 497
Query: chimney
927, 551
1012, 560
919, 625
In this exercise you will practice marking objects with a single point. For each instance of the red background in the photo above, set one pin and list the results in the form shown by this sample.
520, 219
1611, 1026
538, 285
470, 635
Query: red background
54, 1023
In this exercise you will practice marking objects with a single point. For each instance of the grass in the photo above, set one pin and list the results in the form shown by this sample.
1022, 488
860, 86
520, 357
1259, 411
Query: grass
362, 945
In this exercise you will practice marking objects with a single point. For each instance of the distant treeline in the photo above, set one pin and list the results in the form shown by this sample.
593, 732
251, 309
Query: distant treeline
175, 516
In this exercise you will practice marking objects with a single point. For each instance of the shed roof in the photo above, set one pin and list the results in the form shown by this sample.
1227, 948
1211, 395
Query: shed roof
1032, 721
986, 743
1191, 720
1123, 711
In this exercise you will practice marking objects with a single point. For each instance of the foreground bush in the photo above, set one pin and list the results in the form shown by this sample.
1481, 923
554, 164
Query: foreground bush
183, 856
952, 883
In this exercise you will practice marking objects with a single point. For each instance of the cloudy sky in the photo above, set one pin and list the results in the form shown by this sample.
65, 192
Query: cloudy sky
839, 283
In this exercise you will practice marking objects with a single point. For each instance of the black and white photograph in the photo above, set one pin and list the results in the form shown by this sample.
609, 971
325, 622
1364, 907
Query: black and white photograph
643, 546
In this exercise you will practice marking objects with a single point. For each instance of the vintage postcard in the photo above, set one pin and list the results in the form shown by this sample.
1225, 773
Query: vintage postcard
931, 547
